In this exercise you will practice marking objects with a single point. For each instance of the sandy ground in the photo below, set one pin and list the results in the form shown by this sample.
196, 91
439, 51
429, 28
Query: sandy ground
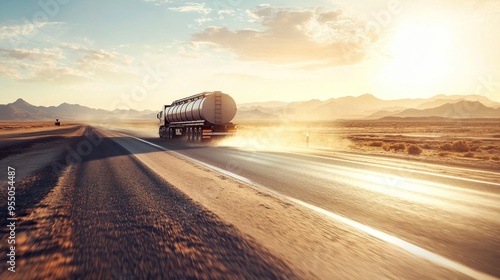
28, 149
14, 127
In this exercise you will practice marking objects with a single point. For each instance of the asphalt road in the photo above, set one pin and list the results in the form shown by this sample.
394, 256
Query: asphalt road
452, 216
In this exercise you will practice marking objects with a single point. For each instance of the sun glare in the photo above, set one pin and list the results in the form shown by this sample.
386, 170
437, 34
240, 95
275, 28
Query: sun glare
419, 56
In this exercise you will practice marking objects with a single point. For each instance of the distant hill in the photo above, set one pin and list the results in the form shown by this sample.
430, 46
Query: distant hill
368, 106
441, 99
462, 110
21, 110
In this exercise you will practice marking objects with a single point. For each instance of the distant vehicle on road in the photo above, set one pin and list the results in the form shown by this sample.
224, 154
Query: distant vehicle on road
198, 117
58, 123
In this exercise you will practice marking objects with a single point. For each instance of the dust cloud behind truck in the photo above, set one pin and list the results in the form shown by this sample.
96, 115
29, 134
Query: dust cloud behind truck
198, 117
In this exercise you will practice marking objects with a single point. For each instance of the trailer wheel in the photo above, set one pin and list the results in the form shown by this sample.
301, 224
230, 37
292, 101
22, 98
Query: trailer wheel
169, 136
190, 134
199, 135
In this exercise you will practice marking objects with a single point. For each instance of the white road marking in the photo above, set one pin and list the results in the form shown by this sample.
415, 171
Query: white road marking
407, 246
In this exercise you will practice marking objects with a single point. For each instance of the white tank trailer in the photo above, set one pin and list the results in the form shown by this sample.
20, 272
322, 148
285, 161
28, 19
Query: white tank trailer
199, 117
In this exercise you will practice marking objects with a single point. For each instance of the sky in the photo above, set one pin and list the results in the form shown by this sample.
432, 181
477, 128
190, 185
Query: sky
140, 54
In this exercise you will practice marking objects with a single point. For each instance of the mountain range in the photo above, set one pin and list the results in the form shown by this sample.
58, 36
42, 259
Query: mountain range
21, 110
368, 106
365, 106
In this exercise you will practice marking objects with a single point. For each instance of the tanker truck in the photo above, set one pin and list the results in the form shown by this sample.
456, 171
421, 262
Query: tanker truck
198, 117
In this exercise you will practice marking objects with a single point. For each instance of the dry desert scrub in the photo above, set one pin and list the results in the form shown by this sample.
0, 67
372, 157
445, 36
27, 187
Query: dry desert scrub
377, 144
398, 147
460, 146
469, 155
414, 150
445, 147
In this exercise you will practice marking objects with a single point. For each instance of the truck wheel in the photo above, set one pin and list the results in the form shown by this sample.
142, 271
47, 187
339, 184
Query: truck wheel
189, 134
199, 135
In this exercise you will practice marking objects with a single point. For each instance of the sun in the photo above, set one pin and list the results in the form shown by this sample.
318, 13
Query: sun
419, 56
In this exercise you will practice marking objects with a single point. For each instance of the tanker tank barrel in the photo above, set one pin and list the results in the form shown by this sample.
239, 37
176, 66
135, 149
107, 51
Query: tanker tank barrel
198, 117
213, 107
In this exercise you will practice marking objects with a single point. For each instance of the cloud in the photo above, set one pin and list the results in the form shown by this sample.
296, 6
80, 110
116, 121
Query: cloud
34, 54
67, 64
226, 12
52, 73
99, 58
26, 29
203, 20
14, 33
107, 65
9, 73
34, 65
311, 37
192, 8
158, 2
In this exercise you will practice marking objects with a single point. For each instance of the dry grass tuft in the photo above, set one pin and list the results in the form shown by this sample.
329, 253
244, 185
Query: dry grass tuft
446, 147
377, 144
460, 146
427, 146
398, 147
469, 155
414, 150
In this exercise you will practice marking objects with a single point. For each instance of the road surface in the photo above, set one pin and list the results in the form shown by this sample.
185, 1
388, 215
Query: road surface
116, 209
